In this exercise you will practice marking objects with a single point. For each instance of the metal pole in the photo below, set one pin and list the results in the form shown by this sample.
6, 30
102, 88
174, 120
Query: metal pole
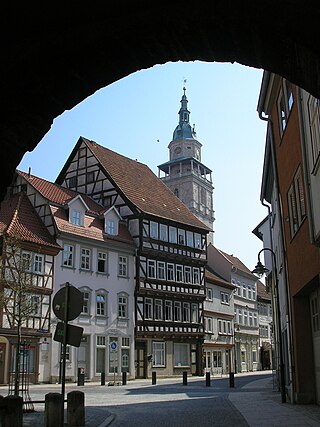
281, 363
64, 348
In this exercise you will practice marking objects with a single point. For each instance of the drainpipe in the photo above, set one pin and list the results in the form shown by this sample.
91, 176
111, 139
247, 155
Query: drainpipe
285, 270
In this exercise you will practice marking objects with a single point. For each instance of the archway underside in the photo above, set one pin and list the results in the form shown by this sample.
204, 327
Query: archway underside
53, 59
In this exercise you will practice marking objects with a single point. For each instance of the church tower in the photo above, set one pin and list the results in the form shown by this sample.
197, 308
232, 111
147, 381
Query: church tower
185, 174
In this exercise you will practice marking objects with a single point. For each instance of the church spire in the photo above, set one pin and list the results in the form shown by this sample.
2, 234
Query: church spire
184, 129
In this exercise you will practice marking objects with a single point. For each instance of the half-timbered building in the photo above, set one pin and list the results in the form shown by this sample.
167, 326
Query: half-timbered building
97, 257
27, 265
170, 255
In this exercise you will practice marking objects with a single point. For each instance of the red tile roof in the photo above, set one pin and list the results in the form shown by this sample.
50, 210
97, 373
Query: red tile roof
56, 194
214, 278
19, 219
236, 262
92, 228
142, 187
262, 291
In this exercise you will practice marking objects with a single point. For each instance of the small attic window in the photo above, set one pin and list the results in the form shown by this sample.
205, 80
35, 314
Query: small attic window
76, 217
111, 227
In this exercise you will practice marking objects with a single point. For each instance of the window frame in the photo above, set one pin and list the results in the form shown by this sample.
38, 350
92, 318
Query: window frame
123, 266
85, 259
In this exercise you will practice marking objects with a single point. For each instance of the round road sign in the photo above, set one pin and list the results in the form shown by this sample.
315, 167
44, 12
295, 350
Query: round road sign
75, 303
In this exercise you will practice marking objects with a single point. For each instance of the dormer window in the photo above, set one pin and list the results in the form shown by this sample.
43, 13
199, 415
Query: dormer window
76, 217
112, 218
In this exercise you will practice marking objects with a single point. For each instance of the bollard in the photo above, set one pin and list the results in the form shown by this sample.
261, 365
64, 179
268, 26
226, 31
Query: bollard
154, 378
75, 408
52, 410
124, 378
103, 378
12, 411
231, 379
208, 381
80, 376
185, 377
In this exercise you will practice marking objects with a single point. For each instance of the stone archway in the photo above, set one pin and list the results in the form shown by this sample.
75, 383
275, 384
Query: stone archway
54, 58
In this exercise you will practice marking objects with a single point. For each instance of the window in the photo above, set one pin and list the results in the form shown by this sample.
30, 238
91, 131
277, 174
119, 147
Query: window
123, 266
197, 240
153, 230
314, 122
111, 227
284, 104
264, 330
196, 276
26, 264
245, 317
194, 313
36, 305
158, 309
151, 268
240, 315
254, 356
170, 272
289, 95
86, 302
148, 308
253, 292
76, 218
190, 239
172, 235
163, 233
100, 354
67, 255
296, 203
181, 354
168, 310
37, 266
244, 290
102, 262
249, 292
224, 298
187, 274
122, 306
224, 327
315, 312
208, 324
250, 318
161, 270
101, 304
209, 294
181, 237
203, 197
85, 259
255, 319
282, 117
158, 354
177, 311
179, 273
186, 312
90, 177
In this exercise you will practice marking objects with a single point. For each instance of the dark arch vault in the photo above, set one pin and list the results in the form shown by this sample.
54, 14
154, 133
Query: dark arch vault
54, 55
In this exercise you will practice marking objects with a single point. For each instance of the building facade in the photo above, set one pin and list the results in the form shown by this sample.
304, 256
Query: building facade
218, 346
97, 257
293, 143
27, 273
185, 174
266, 333
170, 255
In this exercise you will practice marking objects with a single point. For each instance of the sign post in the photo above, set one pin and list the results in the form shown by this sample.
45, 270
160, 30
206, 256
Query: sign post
66, 312
114, 358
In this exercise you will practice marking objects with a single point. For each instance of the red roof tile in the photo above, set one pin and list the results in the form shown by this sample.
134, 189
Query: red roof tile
214, 278
57, 194
19, 219
92, 228
236, 262
262, 291
142, 187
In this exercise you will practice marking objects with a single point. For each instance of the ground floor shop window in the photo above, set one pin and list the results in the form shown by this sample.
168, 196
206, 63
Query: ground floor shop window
125, 354
158, 354
217, 359
181, 354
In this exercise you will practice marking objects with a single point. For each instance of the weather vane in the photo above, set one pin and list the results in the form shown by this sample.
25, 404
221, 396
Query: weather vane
184, 85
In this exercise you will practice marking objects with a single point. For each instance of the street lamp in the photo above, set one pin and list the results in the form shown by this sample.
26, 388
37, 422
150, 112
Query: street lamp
260, 270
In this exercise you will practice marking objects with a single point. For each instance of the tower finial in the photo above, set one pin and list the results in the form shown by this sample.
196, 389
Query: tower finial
184, 86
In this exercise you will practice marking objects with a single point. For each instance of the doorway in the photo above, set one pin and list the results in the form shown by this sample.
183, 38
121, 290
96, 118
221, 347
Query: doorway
140, 359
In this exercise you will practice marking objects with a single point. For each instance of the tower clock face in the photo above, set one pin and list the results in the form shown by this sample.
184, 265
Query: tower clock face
177, 150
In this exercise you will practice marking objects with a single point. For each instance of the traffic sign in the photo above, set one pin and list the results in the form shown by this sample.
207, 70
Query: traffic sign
113, 346
74, 334
75, 304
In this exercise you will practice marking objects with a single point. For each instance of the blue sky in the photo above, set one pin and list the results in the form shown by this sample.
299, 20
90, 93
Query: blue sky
137, 115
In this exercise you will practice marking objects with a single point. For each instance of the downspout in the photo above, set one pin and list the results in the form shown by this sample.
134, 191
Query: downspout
285, 270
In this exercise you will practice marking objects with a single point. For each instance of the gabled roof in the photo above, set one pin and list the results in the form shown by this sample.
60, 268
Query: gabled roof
262, 291
19, 219
139, 186
59, 195
212, 277
236, 262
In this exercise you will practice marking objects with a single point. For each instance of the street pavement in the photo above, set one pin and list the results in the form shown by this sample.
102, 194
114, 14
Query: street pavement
253, 402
